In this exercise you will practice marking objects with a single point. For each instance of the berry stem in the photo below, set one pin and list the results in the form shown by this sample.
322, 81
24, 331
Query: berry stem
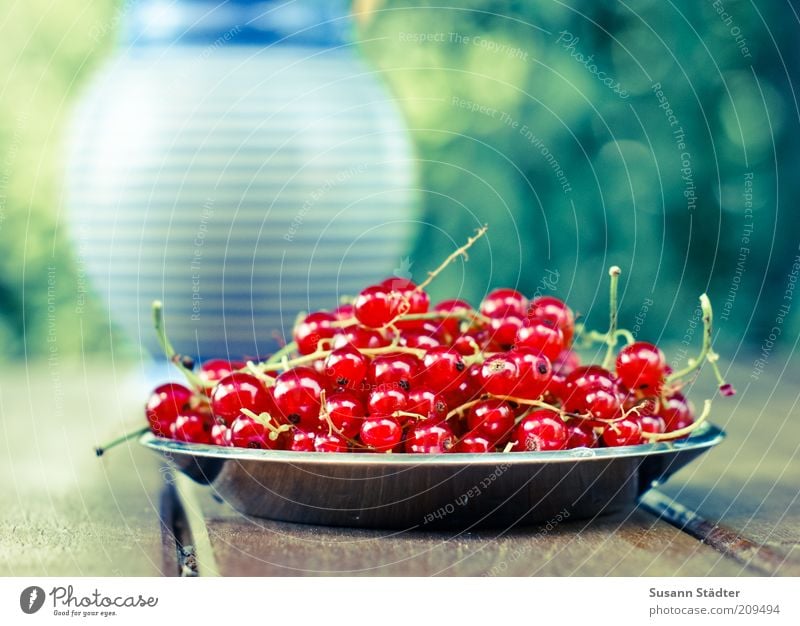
675, 434
462, 251
416, 416
271, 366
524, 401
101, 450
695, 364
252, 368
286, 350
459, 410
611, 338
265, 419
626, 335
590, 337
441, 315
706, 351
175, 358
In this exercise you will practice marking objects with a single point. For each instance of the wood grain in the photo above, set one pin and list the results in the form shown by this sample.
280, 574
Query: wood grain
632, 543
63, 511
751, 483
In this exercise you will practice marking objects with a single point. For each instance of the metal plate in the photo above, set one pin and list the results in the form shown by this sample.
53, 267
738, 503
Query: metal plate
432, 491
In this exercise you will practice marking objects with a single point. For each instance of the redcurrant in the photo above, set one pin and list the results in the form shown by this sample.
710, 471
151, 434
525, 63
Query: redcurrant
428, 438
381, 432
315, 328
640, 366
240, 391
164, 405
540, 430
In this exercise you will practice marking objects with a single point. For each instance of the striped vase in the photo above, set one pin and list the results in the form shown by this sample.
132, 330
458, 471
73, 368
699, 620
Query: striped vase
239, 161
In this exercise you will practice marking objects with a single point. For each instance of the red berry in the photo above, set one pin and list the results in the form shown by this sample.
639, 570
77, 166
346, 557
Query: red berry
387, 399
503, 330
428, 438
346, 412
592, 374
500, 375
314, 328
419, 339
539, 335
645, 406
557, 389
427, 403
343, 312
680, 425
240, 391
360, 337
381, 432
540, 430
164, 405
410, 301
600, 403
555, 311
330, 442
676, 410
468, 387
214, 370
474, 443
346, 366
580, 434
652, 424
245, 432
535, 373
624, 432
677, 414
492, 419
443, 368
566, 363
192, 428
219, 435
640, 366
450, 326
297, 395
302, 441
376, 306
471, 342
399, 369
502, 301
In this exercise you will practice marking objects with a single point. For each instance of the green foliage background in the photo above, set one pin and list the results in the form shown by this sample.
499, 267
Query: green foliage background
626, 205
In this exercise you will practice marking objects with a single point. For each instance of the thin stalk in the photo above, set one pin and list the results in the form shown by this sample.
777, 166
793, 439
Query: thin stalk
676, 434
321, 354
462, 251
706, 352
284, 351
611, 337
161, 332
101, 450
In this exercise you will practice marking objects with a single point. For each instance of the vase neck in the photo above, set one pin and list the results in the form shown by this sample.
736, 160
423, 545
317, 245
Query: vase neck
319, 23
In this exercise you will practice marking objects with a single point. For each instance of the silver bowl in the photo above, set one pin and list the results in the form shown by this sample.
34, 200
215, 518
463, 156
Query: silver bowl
432, 491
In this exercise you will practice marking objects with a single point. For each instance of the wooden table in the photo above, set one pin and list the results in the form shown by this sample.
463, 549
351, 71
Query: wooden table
65, 512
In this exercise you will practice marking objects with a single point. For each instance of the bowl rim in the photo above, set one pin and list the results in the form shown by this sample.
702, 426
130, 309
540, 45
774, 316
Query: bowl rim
706, 436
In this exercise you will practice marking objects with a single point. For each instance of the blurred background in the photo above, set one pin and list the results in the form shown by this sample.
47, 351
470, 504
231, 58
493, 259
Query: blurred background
661, 137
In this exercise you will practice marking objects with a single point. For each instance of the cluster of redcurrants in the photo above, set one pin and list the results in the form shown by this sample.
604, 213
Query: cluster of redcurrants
388, 372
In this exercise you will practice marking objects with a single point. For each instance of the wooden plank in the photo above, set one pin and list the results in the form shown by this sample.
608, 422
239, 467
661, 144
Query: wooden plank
632, 543
751, 483
64, 512
757, 556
